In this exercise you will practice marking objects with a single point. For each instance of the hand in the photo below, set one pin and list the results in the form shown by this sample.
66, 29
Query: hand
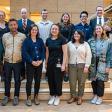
107, 70
34, 63
86, 70
63, 67
39, 62
106, 28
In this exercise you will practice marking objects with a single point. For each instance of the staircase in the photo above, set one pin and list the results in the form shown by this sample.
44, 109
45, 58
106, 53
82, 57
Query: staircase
44, 90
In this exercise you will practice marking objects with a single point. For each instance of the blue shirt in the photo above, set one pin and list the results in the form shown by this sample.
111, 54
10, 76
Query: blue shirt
33, 51
86, 29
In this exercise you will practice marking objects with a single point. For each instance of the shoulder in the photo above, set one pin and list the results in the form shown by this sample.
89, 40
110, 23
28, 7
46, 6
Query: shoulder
30, 21
22, 35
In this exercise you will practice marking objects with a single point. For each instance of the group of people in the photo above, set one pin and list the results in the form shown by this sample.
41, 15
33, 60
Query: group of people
79, 51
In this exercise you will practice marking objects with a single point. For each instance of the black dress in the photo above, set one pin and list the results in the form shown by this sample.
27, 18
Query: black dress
54, 73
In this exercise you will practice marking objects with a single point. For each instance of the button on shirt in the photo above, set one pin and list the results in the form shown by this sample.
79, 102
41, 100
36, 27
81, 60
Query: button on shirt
85, 28
44, 29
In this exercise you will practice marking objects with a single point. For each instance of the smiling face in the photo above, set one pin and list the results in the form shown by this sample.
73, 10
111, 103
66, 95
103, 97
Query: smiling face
84, 17
77, 36
13, 26
44, 15
99, 11
98, 30
34, 31
2, 16
65, 18
54, 30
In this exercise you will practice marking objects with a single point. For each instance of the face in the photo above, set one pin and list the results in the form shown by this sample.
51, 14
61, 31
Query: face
2, 16
24, 14
54, 30
65, 18
44, 15
100, 11
84, 18
76, 36
13, 26
34, 31
98, 30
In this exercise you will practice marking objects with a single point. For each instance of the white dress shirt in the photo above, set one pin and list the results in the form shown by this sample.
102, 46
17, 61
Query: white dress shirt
102, 20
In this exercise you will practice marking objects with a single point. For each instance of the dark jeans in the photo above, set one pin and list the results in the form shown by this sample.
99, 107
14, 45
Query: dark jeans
98, 87
55, 79
8, 68
33, 72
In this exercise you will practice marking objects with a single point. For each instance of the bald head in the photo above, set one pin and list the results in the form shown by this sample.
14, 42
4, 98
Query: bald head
24, 13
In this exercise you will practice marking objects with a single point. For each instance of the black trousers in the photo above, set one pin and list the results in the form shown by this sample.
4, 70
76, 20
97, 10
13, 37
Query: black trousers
55, 79
98, 87
33, 73
8, 68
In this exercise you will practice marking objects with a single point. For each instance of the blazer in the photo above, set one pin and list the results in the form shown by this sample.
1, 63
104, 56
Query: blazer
20, 26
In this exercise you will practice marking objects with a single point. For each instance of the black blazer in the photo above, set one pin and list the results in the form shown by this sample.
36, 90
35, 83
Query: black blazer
93, 23
20, 26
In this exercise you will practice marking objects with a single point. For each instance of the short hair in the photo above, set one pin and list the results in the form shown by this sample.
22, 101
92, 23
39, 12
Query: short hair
3, 12
99, 6
82, 36
12, 19
84, 12
23, 9
43, 10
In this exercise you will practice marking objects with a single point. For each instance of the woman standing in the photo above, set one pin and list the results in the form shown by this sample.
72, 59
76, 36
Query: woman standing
56, 55
66, 29
3, 29
33, 52
99, 68
79, 60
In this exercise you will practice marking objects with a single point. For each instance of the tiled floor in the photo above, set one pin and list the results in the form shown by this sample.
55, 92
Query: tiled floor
63, 107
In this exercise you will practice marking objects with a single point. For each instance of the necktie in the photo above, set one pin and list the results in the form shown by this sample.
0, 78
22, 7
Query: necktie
24, 24
100, 22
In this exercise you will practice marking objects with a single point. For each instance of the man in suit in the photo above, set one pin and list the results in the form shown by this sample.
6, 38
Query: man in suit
100, 19
24, 23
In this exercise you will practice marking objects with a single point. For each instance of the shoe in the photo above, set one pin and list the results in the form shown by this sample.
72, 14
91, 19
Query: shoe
51, 101
15, 100
28, 101
93, 101
66, 78
36, 100
57, 101
5, 101
99, 101
79, 101
71, 100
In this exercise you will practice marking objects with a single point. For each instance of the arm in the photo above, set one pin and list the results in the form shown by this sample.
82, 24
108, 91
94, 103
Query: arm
64, 48
47, 55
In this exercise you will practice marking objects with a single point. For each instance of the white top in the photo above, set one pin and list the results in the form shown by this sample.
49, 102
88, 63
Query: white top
80, 54
44, 29
102, 20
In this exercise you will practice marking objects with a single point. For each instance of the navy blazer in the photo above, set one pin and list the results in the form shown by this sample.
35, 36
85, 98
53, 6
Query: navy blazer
93, 23
20, 26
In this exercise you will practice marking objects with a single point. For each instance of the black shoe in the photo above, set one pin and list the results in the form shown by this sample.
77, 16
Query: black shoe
66, 78
15, 101
5, 101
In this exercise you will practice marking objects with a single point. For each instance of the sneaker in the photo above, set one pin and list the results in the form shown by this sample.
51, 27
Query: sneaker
99, 101
93, 101
57, 101
15, 100
28, 101
51, 101
5, 101
36, 100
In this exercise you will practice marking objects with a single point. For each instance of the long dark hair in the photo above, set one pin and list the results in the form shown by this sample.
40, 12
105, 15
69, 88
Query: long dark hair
82, 36
68, 16
34, 25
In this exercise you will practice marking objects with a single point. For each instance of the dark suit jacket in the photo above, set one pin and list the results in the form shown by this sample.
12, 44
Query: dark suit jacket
20, 26
93, 23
